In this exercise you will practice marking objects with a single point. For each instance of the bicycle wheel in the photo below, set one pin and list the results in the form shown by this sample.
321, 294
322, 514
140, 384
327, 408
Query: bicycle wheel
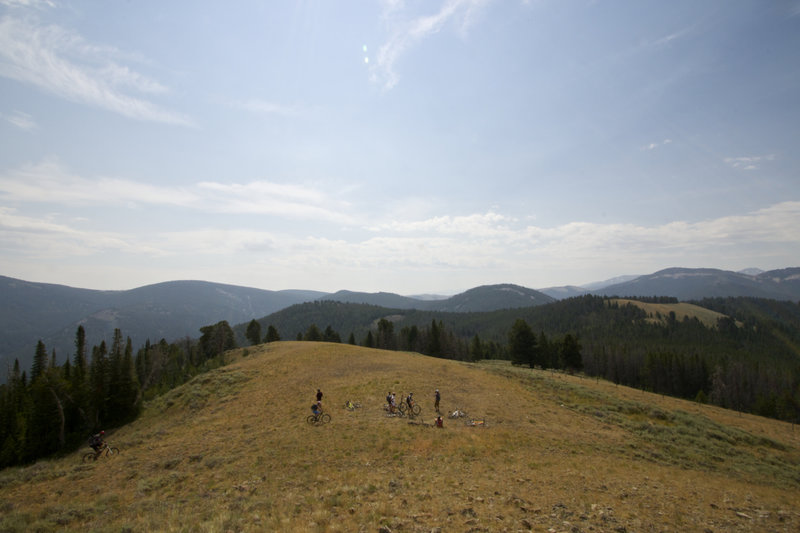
416, 410
89, 457
311, 419
112, 451
402, 409
325, 418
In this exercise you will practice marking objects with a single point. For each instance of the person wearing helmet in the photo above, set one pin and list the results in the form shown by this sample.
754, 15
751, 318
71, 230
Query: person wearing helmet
96, 441
410, 400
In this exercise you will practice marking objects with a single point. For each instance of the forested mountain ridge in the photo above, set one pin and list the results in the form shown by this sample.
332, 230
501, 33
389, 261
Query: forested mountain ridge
177, 309
483, 298
171, 310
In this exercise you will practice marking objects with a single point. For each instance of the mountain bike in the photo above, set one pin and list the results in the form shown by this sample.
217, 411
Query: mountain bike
351, 405
318, 419
458, 413
405, 411
476, 422
105, 450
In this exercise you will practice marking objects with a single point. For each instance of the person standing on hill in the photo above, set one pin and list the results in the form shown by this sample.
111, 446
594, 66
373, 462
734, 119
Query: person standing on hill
319, 399
437, 397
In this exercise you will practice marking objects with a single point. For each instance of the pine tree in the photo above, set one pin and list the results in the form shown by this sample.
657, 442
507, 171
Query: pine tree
272, 334
571, 353
522, 344
39, 361
253, 333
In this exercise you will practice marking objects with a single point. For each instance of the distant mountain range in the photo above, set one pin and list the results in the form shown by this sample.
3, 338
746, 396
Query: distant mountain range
177, 309
695, 284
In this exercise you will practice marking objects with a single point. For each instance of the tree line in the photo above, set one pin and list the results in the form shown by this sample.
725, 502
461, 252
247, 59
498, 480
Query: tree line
54, 408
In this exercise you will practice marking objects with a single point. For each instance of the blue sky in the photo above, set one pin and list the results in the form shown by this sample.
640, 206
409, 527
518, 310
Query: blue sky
402, 146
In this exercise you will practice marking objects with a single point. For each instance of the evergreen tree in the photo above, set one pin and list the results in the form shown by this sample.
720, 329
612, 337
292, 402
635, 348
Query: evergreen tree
272, 334
217, 339
79, 361
39, 361
435, 340
385, 339
522, 344
369, 340
313, 334
330, 335
253, 333
476, 351
571, 353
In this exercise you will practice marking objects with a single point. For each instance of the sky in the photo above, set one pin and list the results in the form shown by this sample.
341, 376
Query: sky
414, 147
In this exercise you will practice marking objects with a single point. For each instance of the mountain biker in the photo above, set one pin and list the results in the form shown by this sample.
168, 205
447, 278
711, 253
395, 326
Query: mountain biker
319, 399
316, 409
436, 402
410, 400
96, 441
390, 402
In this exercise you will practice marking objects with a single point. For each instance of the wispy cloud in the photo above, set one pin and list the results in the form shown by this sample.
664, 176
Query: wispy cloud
50, 183
61, 62
405, 34
748, 162
23, 121
653, 146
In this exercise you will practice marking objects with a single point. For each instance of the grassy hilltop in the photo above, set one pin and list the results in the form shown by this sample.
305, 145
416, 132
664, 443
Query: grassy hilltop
231, 451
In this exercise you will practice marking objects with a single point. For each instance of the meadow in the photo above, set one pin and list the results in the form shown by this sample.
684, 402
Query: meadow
231, 451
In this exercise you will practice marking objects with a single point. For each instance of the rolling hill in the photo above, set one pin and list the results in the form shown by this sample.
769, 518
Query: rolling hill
231, 451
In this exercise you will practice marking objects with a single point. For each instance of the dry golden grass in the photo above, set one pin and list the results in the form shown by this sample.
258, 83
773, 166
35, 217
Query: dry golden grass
682, 310
231, 451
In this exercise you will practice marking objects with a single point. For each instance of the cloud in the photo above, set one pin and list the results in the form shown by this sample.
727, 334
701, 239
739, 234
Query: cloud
407, 34
49, 183
36, 4
61, 62
748, 162
23, 121
653, 146
35, 237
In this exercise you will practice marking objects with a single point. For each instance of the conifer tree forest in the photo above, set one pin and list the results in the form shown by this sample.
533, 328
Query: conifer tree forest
55, 408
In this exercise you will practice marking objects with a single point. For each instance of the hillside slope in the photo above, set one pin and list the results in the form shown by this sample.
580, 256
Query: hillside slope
230, 451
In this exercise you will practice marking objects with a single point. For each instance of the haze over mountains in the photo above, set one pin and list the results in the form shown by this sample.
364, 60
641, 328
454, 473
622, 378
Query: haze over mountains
177, 309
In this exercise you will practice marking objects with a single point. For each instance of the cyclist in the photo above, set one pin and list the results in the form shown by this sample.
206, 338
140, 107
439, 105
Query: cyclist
390, 402
410, 400
316, 408
96, 441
